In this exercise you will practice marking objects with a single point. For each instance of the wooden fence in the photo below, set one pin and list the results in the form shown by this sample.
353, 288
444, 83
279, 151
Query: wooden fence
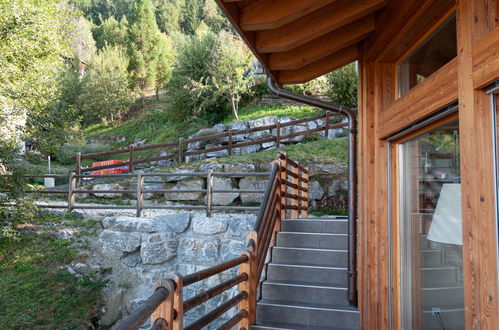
181, 144
141, 179
286, 196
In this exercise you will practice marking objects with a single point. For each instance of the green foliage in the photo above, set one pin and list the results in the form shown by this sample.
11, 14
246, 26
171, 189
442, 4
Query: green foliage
82, 41
191, 14
315, 87
65, 153
142, 41
343, 86
105, 95
251, 113
169, 15
110, 32
165, 55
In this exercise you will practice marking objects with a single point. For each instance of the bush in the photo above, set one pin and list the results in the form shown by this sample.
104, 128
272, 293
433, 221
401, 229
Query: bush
343, 86
69, 150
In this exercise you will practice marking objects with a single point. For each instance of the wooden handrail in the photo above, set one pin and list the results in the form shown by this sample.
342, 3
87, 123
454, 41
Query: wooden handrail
181, 154
251, 263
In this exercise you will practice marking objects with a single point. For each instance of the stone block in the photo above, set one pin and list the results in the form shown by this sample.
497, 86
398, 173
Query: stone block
158, 247
265, 121
116, 244
238, 125
253, 184
258, 135
239, 167
177, 223
315, 191
218, 153
199, 250
246, 150
204, 225
185, 196
211, 167
107, 186
176, 178
241, 224
130, 224
223, 198
231, 249
326, 169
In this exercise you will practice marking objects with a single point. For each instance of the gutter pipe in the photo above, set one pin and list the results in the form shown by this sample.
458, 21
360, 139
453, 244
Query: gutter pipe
352, 174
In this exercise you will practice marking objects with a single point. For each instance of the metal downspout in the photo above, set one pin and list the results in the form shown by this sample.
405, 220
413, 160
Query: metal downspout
352, 175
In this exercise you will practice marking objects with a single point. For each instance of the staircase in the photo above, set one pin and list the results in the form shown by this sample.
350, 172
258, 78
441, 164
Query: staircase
306, 283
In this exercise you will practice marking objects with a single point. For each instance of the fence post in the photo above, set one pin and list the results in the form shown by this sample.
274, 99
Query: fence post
278, 135
250, 285
165, 312
130, 165
209, 192
78, 164
71, 189
304, 203
283, 163
140, 193
326, 126
295, 191
180, 150
229, 148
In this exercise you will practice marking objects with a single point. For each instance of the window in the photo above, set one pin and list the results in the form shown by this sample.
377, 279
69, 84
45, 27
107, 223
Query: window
431, 254
431, 55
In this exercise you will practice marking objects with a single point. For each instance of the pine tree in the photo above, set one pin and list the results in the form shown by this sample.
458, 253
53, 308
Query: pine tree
142, 41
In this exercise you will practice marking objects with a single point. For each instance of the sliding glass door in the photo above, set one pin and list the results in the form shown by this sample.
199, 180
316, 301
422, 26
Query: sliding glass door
431, 259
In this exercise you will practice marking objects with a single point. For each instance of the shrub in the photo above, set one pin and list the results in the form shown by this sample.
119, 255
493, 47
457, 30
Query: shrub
343, 86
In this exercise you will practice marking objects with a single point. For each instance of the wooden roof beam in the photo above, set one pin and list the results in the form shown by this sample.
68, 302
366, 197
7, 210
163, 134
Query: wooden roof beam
271, 14
323, 46
321, 67
315, 25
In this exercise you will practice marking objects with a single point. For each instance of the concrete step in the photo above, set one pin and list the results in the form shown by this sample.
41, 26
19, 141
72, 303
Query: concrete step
309, 257
288, 326
307, 315
438, 276
308, 274
316, 225
432, 258
312, 240
298, 292
445, 297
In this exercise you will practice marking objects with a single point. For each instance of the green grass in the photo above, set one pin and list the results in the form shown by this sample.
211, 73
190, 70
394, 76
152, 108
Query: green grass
251, 113
35, 289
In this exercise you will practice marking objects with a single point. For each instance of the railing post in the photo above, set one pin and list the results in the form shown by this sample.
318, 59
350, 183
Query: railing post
278, 135
295, 191
71, 189
178, 301
180, 150
164, 311
250, 285
140, 193
284, 177
209, 193
304, 203
229, 148
78, 164
130, 165
326, 126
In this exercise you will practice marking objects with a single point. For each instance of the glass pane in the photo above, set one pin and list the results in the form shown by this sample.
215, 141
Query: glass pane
431, 231
439, 49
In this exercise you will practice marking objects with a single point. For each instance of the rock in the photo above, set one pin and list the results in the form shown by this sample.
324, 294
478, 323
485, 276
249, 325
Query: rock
204, 225
176, 178
116, 245
139, 142
130, 224
66, 234
113, 309
271, 145
211, 167
238, 125
82, 195
177, 223
246, 150
292, 130
239, 167
241, 224
326, 169
265, 121
231, 249
258, 135
223, 198
311, 124
336, 186
199, 250
165, 162
252, 184
183, 196
218, 153
158, 248
80, 268
107, 186
197, 145
132, 259
220, 127
315, 191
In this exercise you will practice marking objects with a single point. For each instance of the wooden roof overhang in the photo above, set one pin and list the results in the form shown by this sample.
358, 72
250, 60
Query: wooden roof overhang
299, 40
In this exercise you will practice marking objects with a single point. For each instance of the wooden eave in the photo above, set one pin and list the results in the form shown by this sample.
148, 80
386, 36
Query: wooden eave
299, 40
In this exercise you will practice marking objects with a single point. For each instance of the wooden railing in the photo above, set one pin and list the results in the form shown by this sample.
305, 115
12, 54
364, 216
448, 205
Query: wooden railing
285, 196
141, 179
181, 144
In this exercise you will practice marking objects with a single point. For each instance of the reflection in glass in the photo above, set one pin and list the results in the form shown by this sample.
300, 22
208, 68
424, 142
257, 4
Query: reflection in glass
431, 231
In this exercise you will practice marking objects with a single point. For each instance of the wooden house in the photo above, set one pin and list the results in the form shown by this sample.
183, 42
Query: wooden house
427, 164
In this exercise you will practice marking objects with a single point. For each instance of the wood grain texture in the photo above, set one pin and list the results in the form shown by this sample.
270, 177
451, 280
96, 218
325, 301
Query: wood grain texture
486, 60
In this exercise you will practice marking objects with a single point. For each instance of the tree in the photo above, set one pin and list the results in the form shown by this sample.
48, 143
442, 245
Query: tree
105, 94
82, 41
229, 69
191, 16
164, 65
142, 40
343, 86
110, 32
169, 15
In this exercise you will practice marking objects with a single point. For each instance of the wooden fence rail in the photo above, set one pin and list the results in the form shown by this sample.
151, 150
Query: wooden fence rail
141, 179
181, 144
283, 198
